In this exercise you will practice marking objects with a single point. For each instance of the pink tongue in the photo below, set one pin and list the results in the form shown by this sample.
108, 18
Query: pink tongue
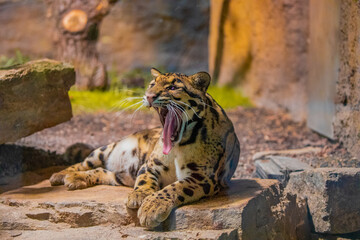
169, 127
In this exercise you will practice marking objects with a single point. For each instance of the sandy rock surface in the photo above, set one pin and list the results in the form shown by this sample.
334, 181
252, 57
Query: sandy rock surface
249, 209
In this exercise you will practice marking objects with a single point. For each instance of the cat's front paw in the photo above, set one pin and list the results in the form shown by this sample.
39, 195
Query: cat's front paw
75, 181
57, 179
136, 197
154, 210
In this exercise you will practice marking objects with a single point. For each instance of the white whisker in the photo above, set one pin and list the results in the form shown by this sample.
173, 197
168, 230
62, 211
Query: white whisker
133, 115
189, 107
122, 111
181, 109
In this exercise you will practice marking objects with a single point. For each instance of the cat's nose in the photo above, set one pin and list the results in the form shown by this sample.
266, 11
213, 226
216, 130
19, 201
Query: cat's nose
150, 98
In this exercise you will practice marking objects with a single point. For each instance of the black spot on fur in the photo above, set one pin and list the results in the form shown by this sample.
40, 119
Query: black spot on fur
215, 113
204, 134
193, 166
101, 157
188, 191
206, 188
194, 133
192, 180
103, 148
133, 171
142, 182
91, 154
90, 164
146, 137
157, 162
209, 101
104, 171
212, 178
181, 198
191, 94
192, 103
142, 171
118, 179
200, 107
97, 180
197, 176
143, 159
134, 152
166, 168
152, 172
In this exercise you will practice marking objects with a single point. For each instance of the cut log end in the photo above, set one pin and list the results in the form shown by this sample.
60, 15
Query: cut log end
75, 20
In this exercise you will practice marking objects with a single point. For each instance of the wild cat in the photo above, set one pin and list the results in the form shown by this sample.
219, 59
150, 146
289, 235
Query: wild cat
192, 156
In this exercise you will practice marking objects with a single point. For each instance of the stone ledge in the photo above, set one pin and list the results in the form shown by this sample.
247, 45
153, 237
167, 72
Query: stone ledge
33, 96
255, 208
333, 197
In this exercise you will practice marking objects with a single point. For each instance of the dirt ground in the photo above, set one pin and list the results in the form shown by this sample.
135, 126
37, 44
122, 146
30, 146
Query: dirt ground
257, 129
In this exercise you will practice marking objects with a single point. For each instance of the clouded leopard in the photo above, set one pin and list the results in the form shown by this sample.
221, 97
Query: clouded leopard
192, 156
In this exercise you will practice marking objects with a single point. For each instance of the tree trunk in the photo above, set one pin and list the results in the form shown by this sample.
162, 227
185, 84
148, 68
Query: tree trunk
75, 37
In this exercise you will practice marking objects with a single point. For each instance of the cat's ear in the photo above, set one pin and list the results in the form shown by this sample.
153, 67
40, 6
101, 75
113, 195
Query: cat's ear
201, 80
155, 73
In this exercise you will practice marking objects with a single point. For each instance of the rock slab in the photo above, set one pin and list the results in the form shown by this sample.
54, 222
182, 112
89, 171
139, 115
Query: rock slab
333, 197
249, 209
34, 96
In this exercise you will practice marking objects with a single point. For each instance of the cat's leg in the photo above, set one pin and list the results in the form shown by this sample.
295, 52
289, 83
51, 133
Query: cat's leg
98, 176
96, 159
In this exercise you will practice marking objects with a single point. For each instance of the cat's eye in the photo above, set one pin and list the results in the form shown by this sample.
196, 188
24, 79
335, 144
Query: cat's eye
172, 87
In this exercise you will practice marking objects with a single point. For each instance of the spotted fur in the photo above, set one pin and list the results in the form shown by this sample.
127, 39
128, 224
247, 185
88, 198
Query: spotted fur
200, 163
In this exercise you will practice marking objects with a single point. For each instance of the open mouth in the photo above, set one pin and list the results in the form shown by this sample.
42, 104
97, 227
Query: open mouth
172, 123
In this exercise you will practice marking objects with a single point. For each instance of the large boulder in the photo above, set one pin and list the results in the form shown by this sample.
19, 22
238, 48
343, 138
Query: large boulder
249, 209
34, 96
333, 197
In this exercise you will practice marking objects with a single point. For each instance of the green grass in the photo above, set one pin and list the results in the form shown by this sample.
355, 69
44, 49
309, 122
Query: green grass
18, 58
103, 101
229, 97
108, 101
